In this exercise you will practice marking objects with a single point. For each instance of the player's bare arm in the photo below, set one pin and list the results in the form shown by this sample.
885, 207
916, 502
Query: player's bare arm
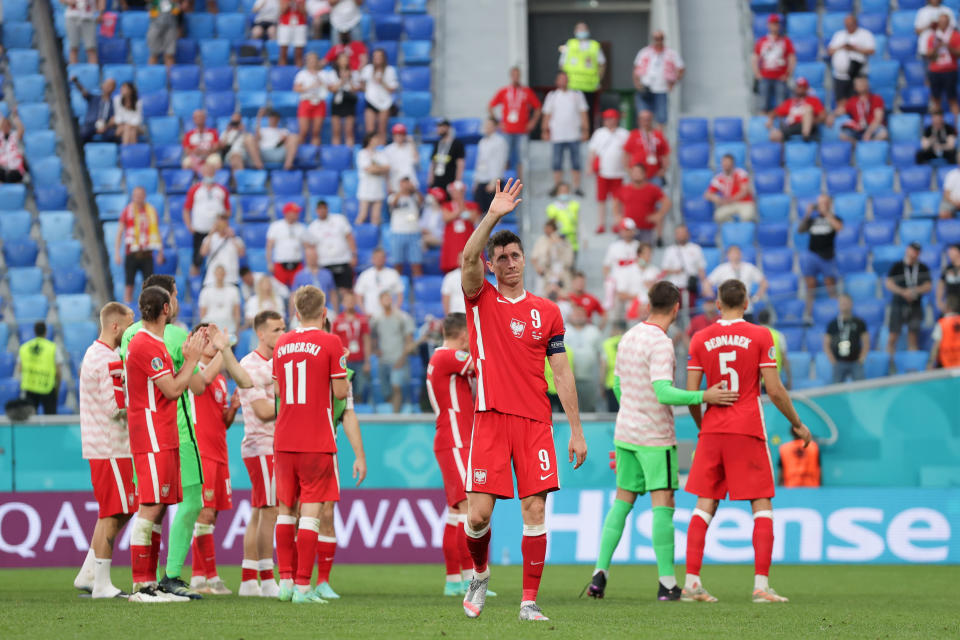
351, 427
781, 400
505, 201
567, 392
341, 388
693, 383
264, 409
221, 342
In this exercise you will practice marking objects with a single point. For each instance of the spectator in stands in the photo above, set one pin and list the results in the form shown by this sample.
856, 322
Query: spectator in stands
223, 248
822, 223
609, 364
392, 331
380, 84
460, 218
928, 16
98, 124
605, 160
949, 283
332, 237
707, 316
800, 115
219, 302
939, 140
448, 159
908, 280
405, 236
233, 143
656, 70
582, 60
432, 223
403, 158
268, 144
314, 275
311, 83
632, 283
12, 168
265, 298
292, 30
519, 114
345, 18
765, 320
565, 124
645, 203
735, 268
493, 153
376, 280
81, 18
586, 342
552, 259
866, 111
565, 212
731, 193
344, 83
265, 18
138, 236
40, 369
951, 193
128, 114
451, 292
354, 48
846, 342
580, 297
620, 253
249, 281
199, 143
285, 240
647, 146
684, 265
163, 31
946, 337
849, 49
373, 168
353, 329
773, 60
205, 200
941, 48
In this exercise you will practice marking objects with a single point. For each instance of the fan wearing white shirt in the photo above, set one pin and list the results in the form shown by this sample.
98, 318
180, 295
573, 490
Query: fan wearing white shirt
311, 83
622, 252
736, 269
128, 113
405, 236
402, 157
928, 16
377, 280
332, 236
849, 49
633, 281
565, 123
451, 290
372, 169
606, 161
272, 143
285, 244
219, 302
380, 82
684, 265
222, 247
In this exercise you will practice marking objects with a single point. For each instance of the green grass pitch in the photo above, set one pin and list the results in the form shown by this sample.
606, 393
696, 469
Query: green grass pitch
403, 601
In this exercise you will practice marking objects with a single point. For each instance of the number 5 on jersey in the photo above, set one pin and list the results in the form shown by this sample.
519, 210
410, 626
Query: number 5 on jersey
725, 358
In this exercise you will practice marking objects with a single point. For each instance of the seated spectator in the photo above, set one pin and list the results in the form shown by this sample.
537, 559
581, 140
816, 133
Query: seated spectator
929, 15
606, 162
451, 291
866, 111
939, 140
566, 125
448, 159
163, 31
685, 266
492, 154
565, 212
98, 123
344, 83
392, 332
846, 342
311, 83
354, 48
380, 84
951, 193
516, 103
205, 200
644, 203
271, 144
249, 281
318, 12
314, 275
731, 194
233, 142
800, 115
734, 268
12, 168
402, 158
285, 239
81, 19
632, 282
331, 235
908, 280
199, 143
431, 218
460, 218
773, 60
376, 280
945, 351
552, 259
941, 47
372, 170
292, 30
949, 283
656, 70
128, 114
138, 236
580, 297
223, 248
219, 302
849, 49
647, 145
266, 13
765, 320
405, 236
345, 18
586, 342
353, 329
822, 223
265, 298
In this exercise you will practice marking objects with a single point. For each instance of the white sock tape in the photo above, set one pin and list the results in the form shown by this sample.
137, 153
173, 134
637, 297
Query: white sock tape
332, 539
313, 524
706, 517
286, 519
202, 529
453, 519
467, 529
767, 513
249, 564
140, 533
263, 565
534, 529
158, 528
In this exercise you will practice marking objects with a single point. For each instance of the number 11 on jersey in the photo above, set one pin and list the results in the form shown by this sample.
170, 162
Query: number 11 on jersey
301, 382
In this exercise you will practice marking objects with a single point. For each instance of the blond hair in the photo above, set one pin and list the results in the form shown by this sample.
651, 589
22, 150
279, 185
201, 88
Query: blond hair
111, 311
309, 302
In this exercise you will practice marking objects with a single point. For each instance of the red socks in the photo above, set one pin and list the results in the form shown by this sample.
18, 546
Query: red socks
478, 543
326, 550
266, 570
155, 550
140, 563
286, 532
306, 550
762, 542
451, 548
248, 570
466, 562
198, 566
696, 535
208, 554
534, 549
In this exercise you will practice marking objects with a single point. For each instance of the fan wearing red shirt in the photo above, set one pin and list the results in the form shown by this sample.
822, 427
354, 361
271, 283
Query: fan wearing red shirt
732, 455
579, 296
866, 111
153, 389
520, 112
941, 48
801, 115
773, 61
647, 146
451, 396
459, 217
356, 51
199, 142
309, 369
512, 332
292, 30
353, 329
645, 203
730, 193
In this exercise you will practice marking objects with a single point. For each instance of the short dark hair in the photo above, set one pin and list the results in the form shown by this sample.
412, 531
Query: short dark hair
244, 270
953, 303
501, 239
494, 120
729, 155
321, 202
663, 296
763, 316
955, 246
151, 302
40, 329
326, 325
162, 280
643, 245
732, 293
198, 326
454, 324
265, 316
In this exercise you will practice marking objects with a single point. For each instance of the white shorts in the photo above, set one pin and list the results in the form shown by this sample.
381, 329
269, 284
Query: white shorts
295, 35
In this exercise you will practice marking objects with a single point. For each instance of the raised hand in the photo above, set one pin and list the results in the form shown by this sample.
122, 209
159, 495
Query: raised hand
506, 199
194, 344
219, 339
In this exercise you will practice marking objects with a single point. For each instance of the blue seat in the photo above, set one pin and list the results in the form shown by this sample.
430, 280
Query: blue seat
861, 286
415, 104
388, 27
824, 310
693, 130
146, 178
256, 207
703, 233
852, 259
779, 260
349, 182
69, 281
250, 181
849, 235
16, 11
736, 149
814, 72
765, 155
727, 129
884, 256
18, 35
135, 156
379, 7
286, 183
308, 156
888, 206
254, 78
948, 231
757, 131
74, 307
110, 206
850, 206
167, 156
366, 236
219, 103
695, 182
838, 5
9, 387
177, 180
875, 23
100, 154
781, 285
31, 308
773, 206
323, 182
164, 130
34, 117
8, 360
51, 197
119, 72
697, 210
249, 102
879, 232
200, 25
916, 231
184, 77
914, 71
39, 144
469, 130
877, 180
904, 154
872, 153
876, 365
806, 49
800, 154
336, 158
25, 281
883, 73
834, 154
805, 182
914, 99
924, 203
231, 26
77, 336
694, 156
184, 103
902, 48
139, 51
106, 179
831, 22
741, 234
12, 197
416, 51
910, 361
23, 61
915, 178
281, 78
47, 170
56, 225
255, 235
218, 79
802, 25
769, 181
29, 88
134, 24
841, 179
419, 27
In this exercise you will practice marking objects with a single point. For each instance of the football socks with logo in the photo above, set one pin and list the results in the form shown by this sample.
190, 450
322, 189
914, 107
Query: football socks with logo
451, 547
286, 546
203, 535
612, 531
181, 530
534, 550
762, 544
141, 531
696, 535
478, 542
306, 551
326, 551
663, 545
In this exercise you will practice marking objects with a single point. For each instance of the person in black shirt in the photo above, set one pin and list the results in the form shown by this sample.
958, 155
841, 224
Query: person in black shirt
949, 284
846, 342
448, 159
822, 223
939, 141
908, 280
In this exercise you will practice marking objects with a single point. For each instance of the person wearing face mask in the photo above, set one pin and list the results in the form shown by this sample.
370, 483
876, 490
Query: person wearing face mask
205, 201
565, 212
656, 70
584, 63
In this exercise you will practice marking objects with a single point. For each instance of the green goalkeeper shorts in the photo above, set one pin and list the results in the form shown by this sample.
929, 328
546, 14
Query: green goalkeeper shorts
647, 468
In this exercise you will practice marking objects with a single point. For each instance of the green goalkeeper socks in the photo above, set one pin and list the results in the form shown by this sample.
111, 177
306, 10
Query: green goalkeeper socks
612, 530
181, 530
662, 540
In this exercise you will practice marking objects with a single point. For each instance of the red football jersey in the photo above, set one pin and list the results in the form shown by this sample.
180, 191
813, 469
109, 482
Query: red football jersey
208, 417
151, 417
351, 334
509, 340
448, 386
733, 351
304, 362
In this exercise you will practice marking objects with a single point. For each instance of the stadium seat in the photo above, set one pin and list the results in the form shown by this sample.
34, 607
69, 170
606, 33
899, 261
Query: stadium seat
167, 156
218, 79
914, 99
838, 5
177, 180
693, 130
25, 281
250, 181
879, 232
119, 72
727, 129
884, 256
852, 259
736, 149
824, 310
215, 53
18, 35
51, 197
9, 387
254, 78
34, 116
694, 156
877, 180
798, 155
916, 231
697, 210
872, 312
415, 104
12, 197
814, 72
323, 182
255, 207
184, 103
904, 127
146, 178
904, 154
219, 103
888, 206
231, 26
876, 365
336, 158
802, 25
910, 361
765, 155
861, 286
15, 225
419, 27
849, 235
883, 73
773, 206
948, 231
850, 206
777, 260
29, 88
100, 154
805, 182
308, 156
695, 182
915, 178
135, 156
30, 308
469, 130
806, 49
349, 181
56, 225
8, 362
703, 233
924, 203
834, 154
23, 61
65, 254
768, 181
134, 24
841, 179
106, 179
872, 154
793, 337
77, 336
286, 183
914, 71
249, 102
781, 285
254, 235
164, 130
773, 235
387, 27
741, 234
415, 78
68, 281
757, 131
416, 51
